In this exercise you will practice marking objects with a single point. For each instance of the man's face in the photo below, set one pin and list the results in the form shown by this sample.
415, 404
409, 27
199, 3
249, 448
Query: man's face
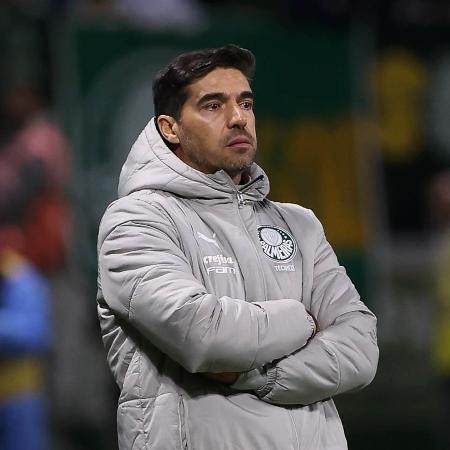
216, 129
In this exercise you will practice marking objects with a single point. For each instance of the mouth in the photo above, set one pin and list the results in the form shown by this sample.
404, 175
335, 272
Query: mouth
240, 142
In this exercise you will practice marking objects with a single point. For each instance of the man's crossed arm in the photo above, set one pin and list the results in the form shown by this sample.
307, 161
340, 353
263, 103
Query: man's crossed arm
147, 280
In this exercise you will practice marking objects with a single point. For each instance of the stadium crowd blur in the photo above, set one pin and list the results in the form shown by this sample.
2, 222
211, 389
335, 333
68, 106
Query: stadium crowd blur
65, 128
34, 227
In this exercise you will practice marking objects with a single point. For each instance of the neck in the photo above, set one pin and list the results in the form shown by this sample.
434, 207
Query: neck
241, 178
237, 179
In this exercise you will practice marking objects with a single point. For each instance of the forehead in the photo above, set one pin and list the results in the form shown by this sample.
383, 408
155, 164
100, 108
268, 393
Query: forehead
226, 80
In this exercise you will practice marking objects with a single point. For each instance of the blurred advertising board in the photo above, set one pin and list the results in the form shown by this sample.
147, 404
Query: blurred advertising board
305, 106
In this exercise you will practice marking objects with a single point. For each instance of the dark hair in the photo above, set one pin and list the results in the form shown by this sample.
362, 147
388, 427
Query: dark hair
169, 86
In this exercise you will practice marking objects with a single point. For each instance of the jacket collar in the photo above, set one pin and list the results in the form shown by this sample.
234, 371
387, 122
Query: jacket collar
152, 165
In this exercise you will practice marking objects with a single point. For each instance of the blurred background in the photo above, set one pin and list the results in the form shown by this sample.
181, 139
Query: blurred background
353, 118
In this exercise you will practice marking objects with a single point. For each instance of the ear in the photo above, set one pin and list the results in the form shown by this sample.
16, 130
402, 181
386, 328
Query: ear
168, 127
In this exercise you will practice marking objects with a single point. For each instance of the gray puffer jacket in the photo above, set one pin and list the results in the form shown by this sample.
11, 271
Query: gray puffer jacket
199, 275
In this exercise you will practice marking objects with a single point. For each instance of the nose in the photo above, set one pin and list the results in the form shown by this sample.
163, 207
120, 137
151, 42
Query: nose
238, 118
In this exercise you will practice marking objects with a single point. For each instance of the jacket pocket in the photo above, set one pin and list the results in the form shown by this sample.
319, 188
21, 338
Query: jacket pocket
182, 415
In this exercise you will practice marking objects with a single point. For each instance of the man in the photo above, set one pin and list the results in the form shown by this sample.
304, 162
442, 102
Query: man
227, 320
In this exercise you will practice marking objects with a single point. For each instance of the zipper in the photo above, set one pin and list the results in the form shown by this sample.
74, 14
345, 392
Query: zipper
240, 199
184, 438
294, 429
241, 202
246, 187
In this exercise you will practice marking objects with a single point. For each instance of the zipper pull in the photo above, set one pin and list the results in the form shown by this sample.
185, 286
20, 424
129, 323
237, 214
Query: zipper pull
240, 199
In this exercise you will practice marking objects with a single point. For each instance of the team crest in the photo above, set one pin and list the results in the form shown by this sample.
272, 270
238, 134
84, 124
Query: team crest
276, 243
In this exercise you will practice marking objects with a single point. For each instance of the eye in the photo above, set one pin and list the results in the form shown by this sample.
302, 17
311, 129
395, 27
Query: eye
212, 106
247, 104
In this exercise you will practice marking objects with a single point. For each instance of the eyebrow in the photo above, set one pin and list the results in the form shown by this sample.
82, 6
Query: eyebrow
222, 97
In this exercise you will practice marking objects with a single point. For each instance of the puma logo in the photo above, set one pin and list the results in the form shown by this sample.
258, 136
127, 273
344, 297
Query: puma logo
207, 239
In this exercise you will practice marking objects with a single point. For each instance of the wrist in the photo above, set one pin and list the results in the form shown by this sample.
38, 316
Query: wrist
314, 325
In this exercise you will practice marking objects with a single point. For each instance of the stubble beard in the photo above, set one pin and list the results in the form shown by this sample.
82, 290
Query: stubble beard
233, 165
243, 164
233, 162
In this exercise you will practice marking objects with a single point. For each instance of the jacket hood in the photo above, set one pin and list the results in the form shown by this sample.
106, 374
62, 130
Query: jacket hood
152, 165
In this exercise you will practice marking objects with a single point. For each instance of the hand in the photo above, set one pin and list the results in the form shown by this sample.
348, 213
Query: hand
224, 377
316, 325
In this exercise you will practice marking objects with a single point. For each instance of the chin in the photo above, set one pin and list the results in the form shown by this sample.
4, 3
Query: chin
235, 169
